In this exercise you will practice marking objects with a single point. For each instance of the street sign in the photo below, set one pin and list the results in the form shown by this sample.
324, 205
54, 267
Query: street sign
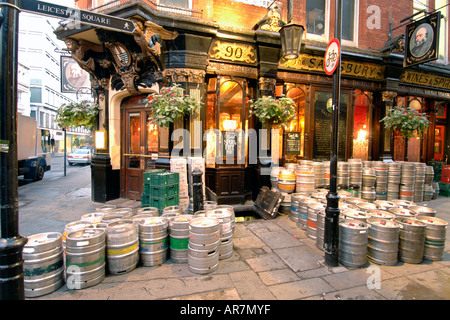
332, 57
78, 16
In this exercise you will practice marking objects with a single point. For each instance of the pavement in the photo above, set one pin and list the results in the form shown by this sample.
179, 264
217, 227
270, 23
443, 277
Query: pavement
272, 260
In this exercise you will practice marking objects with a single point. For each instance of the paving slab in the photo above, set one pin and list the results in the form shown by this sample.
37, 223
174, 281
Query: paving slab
300, 289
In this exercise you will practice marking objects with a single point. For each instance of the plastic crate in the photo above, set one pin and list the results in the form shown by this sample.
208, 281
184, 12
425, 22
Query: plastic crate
145, 200
161, 203
164, 191
445, 193
148, 174
165, 179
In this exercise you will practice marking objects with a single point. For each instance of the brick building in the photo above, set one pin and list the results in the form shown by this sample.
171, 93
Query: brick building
228, 52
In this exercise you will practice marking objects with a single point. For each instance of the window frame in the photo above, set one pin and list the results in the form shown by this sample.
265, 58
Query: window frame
354, 42
325, 36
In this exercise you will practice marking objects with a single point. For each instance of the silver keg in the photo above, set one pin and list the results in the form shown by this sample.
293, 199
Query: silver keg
311, 220
403, 203
208, 205
423, 211
75, 226
179, 238
204, 241
356, 215
226, 231
378, 213
320, 238
106, 208
402, 212
383, 240
93, 218
368, 177
353, 239
85, 258
127, 213
435, 236
429, 175
428, 192
122, 251
151, 211
43, 264
384, 205
305, 179
153, 241
303, 211
319, 180
412, 239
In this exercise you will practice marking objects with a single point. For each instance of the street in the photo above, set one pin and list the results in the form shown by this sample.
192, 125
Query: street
37, 200
57, 170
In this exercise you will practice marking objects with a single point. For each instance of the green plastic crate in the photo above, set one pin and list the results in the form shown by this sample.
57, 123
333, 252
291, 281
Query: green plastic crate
162, 203
145, 200
164, 191
445, 193
165, 179
148, 174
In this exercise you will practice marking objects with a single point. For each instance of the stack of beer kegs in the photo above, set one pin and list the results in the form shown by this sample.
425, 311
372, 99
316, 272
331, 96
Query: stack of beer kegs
368, 184
381, 172
319, 180
394, 176
356, 167
407, 181
419, 186
343, 175
304, 179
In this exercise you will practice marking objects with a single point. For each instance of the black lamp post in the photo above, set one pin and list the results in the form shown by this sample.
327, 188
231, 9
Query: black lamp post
290, 43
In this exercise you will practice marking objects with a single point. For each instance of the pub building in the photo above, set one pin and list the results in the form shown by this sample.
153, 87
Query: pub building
226, 68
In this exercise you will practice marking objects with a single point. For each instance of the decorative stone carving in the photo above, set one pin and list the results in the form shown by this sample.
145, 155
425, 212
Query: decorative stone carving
388, 95
148, 36
271, 21
181, 75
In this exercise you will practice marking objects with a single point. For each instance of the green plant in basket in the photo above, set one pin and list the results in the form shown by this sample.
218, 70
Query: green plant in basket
407, 121
274, 111
78, 114
170, 104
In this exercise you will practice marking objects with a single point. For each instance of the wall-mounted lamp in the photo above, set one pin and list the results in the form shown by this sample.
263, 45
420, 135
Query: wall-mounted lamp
100, 140
291, 37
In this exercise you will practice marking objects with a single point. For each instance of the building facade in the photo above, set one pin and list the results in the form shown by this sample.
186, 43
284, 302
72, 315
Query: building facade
226, 53
41, 96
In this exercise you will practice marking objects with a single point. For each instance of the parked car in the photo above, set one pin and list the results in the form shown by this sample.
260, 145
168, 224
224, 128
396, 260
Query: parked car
79, 156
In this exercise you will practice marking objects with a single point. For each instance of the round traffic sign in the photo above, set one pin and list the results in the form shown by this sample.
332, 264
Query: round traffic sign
332, 56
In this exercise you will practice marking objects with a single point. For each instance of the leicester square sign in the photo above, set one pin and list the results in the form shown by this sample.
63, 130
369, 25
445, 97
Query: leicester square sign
78, 16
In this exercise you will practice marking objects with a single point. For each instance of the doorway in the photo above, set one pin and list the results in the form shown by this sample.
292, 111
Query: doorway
141, 142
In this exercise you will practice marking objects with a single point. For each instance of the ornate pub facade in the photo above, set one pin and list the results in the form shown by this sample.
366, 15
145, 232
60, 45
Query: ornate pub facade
226, 54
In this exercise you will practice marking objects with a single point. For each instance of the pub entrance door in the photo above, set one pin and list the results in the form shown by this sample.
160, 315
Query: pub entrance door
139, 144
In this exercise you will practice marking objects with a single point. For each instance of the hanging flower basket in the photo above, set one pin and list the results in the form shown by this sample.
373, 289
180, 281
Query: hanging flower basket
407, 121
170, 104
78, 114
273, 111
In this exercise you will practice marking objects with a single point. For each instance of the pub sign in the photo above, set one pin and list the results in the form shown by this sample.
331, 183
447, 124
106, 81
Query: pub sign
422, 40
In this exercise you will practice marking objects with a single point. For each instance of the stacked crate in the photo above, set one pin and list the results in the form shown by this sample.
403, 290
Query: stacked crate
161, 189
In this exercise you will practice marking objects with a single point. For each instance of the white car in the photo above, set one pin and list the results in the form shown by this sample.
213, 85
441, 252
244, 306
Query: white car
79, 156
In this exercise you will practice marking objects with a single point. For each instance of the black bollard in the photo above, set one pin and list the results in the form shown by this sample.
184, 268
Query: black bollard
197, 190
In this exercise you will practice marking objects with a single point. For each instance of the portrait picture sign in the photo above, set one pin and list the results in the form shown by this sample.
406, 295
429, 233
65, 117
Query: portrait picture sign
422, 40
72, 76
